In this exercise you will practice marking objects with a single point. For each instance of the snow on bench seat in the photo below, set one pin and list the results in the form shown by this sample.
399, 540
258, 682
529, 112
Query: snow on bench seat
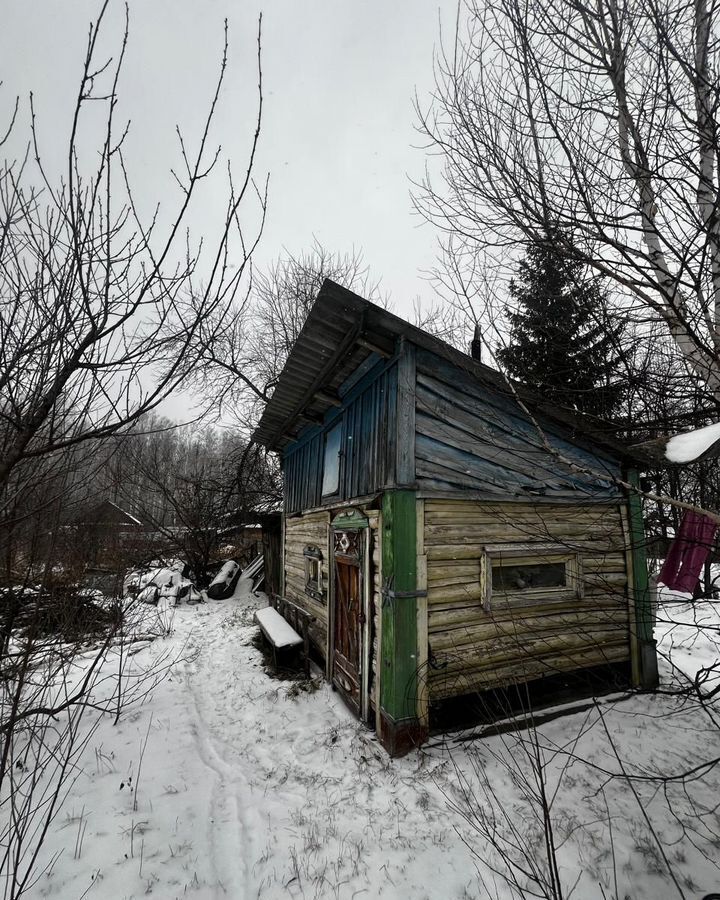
276, 629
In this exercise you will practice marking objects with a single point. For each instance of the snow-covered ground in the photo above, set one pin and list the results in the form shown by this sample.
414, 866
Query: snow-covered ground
230, 784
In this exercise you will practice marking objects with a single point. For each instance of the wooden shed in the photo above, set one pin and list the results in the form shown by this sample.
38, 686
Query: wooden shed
102, 533
448, 535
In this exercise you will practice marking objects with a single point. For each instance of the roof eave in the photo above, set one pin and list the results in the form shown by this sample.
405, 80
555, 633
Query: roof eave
369, 322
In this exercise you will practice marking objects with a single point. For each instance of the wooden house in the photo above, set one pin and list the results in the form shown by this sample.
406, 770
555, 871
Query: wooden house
446, 534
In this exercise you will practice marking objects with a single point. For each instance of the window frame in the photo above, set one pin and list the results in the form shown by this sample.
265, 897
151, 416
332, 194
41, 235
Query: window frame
314, 586
337, 425
530, 554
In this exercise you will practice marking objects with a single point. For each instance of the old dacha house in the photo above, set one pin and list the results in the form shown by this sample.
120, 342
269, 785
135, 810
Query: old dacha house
446, 534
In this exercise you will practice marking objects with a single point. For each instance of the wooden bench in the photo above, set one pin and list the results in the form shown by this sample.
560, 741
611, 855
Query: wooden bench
286, 627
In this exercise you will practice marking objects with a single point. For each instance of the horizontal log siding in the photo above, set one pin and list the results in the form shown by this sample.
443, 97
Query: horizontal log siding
368, 447
301, 531
472, 438
474, 649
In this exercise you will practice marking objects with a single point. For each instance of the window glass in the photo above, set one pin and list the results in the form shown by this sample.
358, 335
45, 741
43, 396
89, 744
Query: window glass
313, 572
331, 466
509, 576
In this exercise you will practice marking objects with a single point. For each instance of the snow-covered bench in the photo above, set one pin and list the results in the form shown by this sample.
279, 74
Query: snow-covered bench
279, 633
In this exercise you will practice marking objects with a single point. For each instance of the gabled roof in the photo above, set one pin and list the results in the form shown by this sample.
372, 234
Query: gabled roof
341, 331
107, 513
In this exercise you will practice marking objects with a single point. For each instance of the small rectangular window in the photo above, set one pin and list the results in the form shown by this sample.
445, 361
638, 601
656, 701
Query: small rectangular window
331, 461
313, 573
521, 575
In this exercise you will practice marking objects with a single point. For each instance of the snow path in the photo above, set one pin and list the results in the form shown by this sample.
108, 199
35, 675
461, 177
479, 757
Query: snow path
227, 832
251, 791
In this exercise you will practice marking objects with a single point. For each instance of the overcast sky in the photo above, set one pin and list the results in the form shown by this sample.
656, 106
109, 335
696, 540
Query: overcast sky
338, 136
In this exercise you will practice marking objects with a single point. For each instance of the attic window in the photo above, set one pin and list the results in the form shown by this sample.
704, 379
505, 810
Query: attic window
525, 575
331, 461
313, 572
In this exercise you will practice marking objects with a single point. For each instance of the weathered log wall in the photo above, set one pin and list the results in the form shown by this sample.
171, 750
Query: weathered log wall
302, 531
313, 529
475, 648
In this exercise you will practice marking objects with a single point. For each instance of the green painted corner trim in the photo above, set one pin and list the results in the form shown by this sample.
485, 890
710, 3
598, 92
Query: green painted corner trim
398, 651
641, 584
405, 422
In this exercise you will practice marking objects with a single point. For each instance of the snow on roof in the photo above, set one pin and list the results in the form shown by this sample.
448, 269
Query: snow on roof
125, 513
690, 445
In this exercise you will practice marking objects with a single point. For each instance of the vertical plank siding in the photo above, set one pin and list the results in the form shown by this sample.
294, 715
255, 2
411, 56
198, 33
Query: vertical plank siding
398, 650
303, 475
472, 648
405, 420
367, 450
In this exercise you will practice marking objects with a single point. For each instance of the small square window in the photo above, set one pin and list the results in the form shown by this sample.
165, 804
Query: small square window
509, 575
313, 573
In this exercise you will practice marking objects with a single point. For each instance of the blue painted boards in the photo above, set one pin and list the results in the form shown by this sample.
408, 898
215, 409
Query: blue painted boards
358, 440
471, 439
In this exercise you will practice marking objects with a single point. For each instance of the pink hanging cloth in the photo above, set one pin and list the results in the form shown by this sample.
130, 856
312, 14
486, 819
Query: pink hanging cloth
688, 552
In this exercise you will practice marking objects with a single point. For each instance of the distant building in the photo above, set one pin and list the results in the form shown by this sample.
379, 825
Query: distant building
99, 534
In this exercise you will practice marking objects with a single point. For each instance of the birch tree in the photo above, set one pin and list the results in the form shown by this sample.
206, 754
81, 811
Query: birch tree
596, 119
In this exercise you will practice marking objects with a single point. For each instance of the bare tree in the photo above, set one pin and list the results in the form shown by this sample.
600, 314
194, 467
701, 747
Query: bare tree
239, 367
99, 310
284, 295
99, 307
239, 364
192, 489
445, 320
598, 120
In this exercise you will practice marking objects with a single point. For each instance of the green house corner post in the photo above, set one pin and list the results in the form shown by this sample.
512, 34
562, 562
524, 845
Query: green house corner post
400, 729
641, 590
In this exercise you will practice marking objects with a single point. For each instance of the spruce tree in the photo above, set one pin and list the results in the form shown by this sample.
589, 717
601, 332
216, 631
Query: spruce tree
563, 340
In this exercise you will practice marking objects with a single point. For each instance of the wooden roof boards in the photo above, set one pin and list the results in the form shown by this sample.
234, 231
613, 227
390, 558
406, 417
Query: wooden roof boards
341, 331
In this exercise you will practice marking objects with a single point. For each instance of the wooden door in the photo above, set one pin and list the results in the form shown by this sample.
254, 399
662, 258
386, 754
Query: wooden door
347, 618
